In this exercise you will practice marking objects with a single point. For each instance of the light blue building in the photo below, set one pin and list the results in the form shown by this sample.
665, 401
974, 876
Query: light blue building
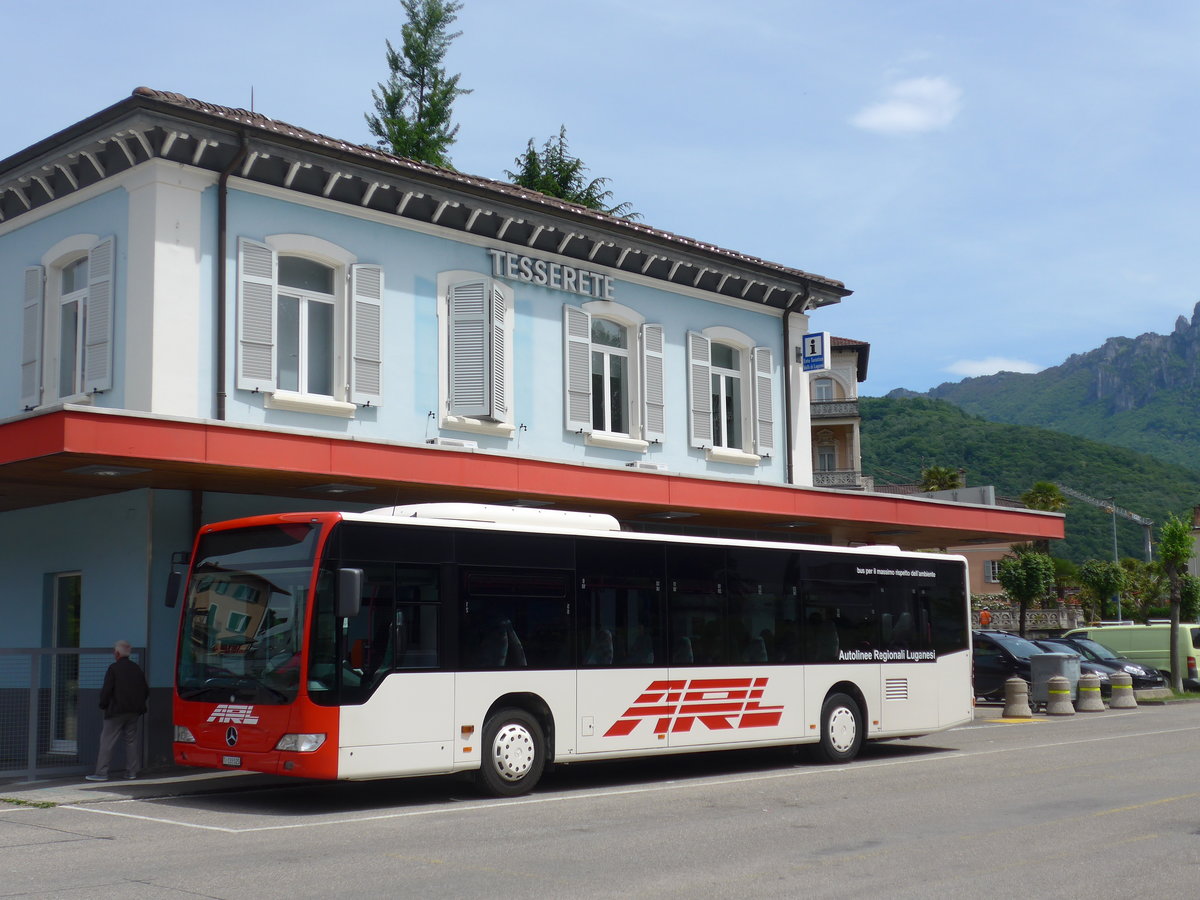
208, 313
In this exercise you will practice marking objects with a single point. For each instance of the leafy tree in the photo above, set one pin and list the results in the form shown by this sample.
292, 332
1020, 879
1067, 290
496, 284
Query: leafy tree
555, 172
414, 106
1189, 597
940, 478
1025, 577
1066, 575
1101, 579
1175, 543
1145, 588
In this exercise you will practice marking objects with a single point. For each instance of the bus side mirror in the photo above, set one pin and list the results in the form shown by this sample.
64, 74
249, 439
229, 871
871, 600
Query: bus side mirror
349, 592
180, 560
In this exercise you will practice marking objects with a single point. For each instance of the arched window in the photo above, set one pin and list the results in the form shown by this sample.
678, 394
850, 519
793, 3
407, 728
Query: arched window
613, 362
726, 380
310, 325
822, 389
731, 396
305, 304
67, 324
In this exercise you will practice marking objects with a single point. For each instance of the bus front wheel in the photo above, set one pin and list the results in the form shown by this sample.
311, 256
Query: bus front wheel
841, 730
514, 753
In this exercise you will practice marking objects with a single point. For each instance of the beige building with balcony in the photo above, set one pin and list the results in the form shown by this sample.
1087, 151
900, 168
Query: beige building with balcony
836, 448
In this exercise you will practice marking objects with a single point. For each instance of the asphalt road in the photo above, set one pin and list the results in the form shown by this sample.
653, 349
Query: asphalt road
1106, 804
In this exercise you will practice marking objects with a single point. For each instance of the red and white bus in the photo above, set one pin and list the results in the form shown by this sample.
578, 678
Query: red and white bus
455, 637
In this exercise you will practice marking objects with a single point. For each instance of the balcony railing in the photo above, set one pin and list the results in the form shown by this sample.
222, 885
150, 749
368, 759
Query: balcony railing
829, 409
841, 478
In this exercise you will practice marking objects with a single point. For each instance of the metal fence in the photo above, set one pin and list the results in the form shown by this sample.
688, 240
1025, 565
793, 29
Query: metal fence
49, 715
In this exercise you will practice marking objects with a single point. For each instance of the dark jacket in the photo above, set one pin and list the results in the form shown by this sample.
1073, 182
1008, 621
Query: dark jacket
125, 689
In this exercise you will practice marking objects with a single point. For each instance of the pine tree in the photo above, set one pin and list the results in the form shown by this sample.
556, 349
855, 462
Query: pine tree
556, 173
413, 108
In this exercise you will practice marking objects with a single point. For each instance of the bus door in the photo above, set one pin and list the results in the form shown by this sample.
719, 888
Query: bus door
514, 636
732, 631
396, 697
622, 674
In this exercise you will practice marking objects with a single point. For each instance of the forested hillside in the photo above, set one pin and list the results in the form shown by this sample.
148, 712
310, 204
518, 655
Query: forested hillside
1142, 393
900, 436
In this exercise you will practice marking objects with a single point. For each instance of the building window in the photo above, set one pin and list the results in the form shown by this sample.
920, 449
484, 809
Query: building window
309, 325
825, 446
726, 378
610, 376
475, 325
613, 362
991, 571
822, 389
72, 320
67, 322
305, 307
731, 395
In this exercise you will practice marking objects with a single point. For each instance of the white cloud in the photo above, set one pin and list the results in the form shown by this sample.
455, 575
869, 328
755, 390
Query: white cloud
913, 106
970, 368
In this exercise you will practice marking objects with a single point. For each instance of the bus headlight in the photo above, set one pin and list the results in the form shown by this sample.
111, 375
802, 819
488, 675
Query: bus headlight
183, 735
300, 743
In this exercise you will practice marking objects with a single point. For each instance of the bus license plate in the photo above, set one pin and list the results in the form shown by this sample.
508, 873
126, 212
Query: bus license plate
235, 761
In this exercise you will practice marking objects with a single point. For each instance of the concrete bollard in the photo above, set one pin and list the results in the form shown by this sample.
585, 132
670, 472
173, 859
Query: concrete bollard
1016, 699
1122, 692
1089, 699
1059, 690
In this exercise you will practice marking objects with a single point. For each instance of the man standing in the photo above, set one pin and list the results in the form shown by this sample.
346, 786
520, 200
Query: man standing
123, 699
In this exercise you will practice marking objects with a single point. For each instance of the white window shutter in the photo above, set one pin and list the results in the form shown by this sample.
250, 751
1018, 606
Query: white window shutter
764, 402
653, 387
366, 335
256, 316
699, 390
470, 382
98, 333
499, 369
31, 338
577, 369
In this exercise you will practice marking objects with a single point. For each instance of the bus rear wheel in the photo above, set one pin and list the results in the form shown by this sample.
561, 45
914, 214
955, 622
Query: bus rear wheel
841, 730
514, 753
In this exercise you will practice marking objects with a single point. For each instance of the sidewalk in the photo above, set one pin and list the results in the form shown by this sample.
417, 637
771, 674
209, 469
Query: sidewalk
174, 782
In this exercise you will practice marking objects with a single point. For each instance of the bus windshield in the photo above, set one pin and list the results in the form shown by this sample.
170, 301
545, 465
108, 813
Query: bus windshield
243, 621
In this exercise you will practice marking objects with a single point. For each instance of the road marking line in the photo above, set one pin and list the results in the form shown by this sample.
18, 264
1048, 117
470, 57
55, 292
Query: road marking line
718, 781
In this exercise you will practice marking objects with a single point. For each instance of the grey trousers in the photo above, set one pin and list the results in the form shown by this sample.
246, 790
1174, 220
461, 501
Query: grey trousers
121, 727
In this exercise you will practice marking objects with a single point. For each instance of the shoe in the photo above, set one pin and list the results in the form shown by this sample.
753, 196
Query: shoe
129, 777
95, 777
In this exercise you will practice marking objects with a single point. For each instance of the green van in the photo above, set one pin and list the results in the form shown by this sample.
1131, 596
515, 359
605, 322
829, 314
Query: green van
1150, 645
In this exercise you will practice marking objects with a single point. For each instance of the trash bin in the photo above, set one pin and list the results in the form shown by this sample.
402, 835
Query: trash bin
1044, 666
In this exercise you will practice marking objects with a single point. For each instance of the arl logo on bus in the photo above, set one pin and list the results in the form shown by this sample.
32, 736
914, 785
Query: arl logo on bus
238, 713
719, 704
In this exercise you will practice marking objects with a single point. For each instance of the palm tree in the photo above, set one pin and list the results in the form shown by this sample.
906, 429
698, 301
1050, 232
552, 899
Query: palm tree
1044, 495
940, 478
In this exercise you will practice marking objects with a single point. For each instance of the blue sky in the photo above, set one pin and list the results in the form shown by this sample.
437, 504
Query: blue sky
1002, 183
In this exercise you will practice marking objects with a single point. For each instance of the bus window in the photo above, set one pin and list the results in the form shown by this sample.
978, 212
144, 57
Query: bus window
763, 605
696, 603
396, 628
841, 612
619, 620
417, 619
514, 619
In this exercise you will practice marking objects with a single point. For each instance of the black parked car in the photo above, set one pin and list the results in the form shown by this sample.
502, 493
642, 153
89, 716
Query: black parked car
1143, 677
998, 656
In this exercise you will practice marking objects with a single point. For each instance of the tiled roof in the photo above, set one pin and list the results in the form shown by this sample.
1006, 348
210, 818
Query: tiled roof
256, 120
